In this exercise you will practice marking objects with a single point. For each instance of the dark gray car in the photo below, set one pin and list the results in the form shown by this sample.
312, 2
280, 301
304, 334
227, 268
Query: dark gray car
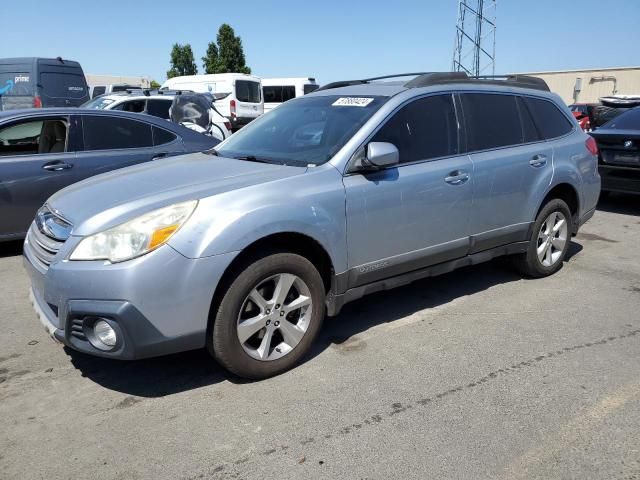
44, 150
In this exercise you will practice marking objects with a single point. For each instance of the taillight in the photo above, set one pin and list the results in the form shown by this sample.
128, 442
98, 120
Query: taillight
232, 107
37, 102
592, 145
228, 125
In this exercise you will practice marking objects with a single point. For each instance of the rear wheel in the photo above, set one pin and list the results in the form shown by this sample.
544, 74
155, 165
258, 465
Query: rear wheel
269, 316
549, 242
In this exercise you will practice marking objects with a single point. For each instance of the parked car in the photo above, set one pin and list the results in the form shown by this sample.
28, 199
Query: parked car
158, 103
619, 144
278, 90
583, 112
238, 96
97, 90
42, 151
41, 82
243, 249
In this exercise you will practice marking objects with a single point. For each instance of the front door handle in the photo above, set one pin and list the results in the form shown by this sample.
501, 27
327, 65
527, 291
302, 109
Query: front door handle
457, 177
538, 161
57, 166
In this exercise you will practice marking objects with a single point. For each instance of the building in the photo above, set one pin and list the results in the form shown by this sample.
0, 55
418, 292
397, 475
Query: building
587, 86
94, 80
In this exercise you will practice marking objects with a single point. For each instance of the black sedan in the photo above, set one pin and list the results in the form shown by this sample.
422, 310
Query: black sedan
44, 150
619, 144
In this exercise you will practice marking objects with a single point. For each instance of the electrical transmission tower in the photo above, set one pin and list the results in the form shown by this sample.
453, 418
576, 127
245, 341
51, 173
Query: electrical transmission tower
475, 47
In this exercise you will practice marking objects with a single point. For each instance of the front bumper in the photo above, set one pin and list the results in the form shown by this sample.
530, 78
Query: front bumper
158, 303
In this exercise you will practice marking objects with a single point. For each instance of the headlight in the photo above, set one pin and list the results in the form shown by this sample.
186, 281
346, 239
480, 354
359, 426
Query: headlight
135, 237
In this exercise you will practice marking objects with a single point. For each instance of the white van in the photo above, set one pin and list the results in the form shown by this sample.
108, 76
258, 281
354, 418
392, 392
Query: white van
278, 90
238, 96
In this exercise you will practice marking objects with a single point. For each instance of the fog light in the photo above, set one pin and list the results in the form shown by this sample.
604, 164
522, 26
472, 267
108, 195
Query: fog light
105, 333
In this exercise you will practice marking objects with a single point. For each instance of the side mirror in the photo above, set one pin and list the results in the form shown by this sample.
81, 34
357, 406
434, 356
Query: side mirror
382, 154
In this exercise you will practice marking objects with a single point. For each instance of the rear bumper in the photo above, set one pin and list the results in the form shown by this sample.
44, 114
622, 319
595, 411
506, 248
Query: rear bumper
619, 178
158, 304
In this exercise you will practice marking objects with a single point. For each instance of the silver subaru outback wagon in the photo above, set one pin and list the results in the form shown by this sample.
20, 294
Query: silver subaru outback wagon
358, 187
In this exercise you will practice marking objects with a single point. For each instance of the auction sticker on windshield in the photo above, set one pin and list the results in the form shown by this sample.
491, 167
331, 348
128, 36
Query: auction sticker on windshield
352, 102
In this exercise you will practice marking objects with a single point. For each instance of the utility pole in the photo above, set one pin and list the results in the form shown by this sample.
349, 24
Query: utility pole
475, 45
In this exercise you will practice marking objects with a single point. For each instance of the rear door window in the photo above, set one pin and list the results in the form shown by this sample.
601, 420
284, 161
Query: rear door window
549, 119
63, 85
424, 129
529, 130
248, 91
111, 133
492, 121
159, 108
134, 106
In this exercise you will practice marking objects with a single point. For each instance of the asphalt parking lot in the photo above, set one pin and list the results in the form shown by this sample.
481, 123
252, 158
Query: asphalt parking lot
475, 374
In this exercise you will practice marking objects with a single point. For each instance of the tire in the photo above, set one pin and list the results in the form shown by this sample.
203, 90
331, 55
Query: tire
555, 247
250, 303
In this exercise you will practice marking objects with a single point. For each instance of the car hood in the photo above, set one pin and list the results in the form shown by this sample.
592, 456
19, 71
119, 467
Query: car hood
109, 199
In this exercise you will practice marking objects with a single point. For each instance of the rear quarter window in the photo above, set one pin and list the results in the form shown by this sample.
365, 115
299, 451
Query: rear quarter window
248, 91
63, 85
550, 121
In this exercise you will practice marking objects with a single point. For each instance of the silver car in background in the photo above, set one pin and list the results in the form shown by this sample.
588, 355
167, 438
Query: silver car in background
358, 187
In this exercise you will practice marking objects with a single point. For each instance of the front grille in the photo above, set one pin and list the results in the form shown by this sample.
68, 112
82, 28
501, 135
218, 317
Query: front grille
42, 244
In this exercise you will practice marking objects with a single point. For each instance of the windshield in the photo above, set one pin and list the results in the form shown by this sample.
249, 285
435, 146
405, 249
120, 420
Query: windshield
629, 120
303, 131
98, 103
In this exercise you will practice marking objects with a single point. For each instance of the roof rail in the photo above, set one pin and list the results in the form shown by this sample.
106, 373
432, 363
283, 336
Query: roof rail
347, 83
425, 79
435, 78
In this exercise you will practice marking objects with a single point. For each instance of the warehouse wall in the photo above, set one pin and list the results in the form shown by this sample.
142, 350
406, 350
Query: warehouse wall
114, 79
595, 83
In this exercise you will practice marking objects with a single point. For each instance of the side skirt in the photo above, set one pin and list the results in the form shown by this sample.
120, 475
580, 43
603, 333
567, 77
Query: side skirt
336, 302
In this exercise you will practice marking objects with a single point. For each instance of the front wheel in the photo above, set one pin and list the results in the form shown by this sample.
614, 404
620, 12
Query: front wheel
269, 316
549, 242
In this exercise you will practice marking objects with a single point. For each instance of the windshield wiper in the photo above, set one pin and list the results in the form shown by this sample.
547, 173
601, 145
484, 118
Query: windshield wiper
252, 158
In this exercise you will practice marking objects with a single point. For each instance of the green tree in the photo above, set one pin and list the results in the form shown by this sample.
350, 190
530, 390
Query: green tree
227, 54
154, 84
210, 60
182, 61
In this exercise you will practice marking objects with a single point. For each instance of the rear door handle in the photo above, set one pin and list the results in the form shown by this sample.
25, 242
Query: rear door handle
538, 161
57, 166
457, 177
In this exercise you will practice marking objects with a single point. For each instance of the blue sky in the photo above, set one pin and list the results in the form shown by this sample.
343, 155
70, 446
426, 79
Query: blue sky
335, 39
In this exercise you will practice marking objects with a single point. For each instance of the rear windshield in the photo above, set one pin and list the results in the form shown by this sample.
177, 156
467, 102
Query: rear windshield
247, 91
629, 120
63, 85
304, 131
15, 84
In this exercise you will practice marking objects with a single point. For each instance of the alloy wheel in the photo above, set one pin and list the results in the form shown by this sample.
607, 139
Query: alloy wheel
274, 317
552, 239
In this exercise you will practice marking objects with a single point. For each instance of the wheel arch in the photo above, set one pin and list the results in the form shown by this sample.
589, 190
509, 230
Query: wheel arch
567, 193
290, 242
